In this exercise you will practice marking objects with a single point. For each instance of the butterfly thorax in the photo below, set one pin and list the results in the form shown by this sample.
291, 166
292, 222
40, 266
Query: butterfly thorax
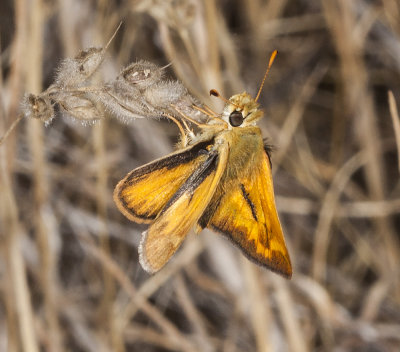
245, 148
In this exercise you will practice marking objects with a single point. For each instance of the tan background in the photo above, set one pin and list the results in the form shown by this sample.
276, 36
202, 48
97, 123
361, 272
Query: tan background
70, 278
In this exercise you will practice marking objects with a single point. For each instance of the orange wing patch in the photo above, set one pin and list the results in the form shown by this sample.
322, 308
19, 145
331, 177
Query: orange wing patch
145, 191
181, 212
248, 216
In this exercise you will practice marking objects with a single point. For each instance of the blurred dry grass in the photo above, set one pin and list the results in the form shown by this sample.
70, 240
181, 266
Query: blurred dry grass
70, 278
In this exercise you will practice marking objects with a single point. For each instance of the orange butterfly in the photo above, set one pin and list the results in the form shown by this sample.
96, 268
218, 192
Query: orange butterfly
221, 180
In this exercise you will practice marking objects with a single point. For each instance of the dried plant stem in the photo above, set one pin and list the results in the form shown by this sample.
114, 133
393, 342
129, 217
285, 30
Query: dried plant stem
396, 123
21, 290
328, 314
17, 65
392, 11
185, 256
11, 128
108, 297
227, 46
328, 209
170, 51
193, 315
41, 190
374, 298
193, 57
211, 72
18, 306
137, 333
362, 209
101, 190
69, 40
260, 313
16, 264
349, 38
296, 113
212, 43
152, 312
296, 340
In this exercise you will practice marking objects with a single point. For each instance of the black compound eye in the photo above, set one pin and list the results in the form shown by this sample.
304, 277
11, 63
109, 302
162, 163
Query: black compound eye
236, 118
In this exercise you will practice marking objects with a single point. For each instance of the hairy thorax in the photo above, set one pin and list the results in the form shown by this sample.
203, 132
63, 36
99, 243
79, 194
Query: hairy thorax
247, 142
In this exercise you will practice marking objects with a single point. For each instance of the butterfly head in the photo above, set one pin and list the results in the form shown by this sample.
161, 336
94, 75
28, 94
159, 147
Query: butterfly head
241, 111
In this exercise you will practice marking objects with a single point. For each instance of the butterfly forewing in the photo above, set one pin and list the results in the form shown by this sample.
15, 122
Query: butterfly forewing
145, 191
247, 215
181, 212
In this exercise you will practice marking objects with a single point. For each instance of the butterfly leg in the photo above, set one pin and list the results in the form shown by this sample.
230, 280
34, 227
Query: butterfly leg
198, 124
209, 112
184, 139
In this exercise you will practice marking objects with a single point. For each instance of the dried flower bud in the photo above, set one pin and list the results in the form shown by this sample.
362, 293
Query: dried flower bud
141, 74
163, 94
81, 108
73, 72
139, 91
125, 107
170, 94
38, 107
124, 96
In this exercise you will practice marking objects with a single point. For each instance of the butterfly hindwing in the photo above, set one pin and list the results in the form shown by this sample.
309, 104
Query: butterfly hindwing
182, 211
247, 215
145, 191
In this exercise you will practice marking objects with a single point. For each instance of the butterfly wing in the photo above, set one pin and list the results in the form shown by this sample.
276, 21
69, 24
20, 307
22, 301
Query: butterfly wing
182, 211
145, 191
247, 215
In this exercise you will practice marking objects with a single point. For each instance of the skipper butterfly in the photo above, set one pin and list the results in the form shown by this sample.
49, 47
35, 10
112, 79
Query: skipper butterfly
220, 179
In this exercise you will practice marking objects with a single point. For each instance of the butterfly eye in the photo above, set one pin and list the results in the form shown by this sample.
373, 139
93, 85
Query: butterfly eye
236, 118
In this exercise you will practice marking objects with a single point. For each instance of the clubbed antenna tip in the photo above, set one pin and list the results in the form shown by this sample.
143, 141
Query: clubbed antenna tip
215, 93
271, 60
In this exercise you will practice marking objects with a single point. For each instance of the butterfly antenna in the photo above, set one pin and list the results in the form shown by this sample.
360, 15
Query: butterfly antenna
271, 60
215, 93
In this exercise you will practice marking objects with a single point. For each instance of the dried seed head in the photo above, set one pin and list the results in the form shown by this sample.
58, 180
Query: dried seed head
125, 106
81, 108
124, 96
165, 93
169, 94
141, 74
89, 60
38, 107
140, 91
73, 72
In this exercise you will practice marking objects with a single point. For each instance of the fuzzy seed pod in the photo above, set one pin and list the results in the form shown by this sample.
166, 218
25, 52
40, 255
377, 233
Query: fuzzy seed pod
81, 108
140, 75
37, 107
74, 72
